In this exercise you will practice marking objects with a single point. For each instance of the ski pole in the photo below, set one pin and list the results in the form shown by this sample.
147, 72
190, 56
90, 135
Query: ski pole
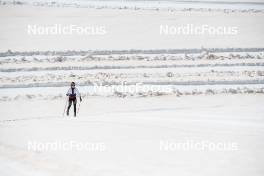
65, 107
78, 107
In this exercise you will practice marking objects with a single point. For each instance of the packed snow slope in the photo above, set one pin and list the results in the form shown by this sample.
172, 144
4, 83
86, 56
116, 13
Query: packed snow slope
126, 28
131, 130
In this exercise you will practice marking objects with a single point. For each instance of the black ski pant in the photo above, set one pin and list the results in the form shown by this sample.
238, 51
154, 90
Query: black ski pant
74, 101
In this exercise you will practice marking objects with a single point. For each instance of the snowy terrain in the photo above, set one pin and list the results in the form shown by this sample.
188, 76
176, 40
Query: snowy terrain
131, 131
198, 99
153, 104
132, 74
125, 29
234, 5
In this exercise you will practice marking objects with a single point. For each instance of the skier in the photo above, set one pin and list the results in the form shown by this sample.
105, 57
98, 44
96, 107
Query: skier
73, 93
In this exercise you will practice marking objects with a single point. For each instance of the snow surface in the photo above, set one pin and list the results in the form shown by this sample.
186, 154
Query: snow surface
125, 29
45, 77
193, 88
207, 104
147, 4
131, 130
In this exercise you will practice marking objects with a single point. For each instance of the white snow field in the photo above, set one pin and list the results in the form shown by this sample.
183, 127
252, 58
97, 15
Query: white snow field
133, 135
116, 29
193, 114
153, 104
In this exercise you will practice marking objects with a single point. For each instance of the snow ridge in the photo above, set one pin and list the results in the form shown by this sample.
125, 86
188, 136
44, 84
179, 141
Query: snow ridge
204, 72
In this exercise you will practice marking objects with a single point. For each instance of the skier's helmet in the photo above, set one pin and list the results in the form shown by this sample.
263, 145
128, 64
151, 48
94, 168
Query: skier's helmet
72, 84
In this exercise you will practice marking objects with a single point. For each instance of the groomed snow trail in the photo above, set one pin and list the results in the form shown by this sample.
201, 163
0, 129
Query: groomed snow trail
131, 130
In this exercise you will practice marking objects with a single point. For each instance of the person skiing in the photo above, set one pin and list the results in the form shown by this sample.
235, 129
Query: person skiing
72, 94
